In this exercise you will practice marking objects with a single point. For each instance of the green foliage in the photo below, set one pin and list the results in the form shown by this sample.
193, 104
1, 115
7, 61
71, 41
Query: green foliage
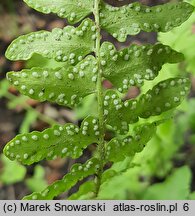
86, 191
58, 141
134, 174
128, 180
69, 44
74, 11
42, 62
180, 179
30, 117
12, 171
88, 106
117, 113
77, 173
176, 37
130, 145
79, 74
192, 196
73, 83
166, 95
4, 86
37, 182
136, 63
131, 19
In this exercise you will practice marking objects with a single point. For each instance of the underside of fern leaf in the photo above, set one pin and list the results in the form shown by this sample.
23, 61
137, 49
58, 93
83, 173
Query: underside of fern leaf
85, 62
77, 173
65, 86
131, 19
59, 141
69, 44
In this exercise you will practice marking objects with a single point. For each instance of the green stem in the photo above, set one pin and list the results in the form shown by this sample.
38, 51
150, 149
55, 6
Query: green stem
101, 146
